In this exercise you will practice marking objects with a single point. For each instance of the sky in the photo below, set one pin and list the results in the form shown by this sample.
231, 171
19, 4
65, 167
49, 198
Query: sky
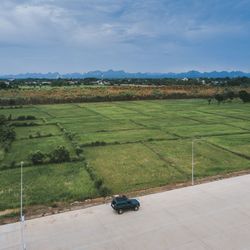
132, 35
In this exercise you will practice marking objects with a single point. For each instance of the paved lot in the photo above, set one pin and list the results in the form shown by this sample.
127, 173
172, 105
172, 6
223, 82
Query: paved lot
208, 216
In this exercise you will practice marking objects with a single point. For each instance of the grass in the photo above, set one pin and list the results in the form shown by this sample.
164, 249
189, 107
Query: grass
168, 120
146, 144
236, 143
32, 131
21, 149
157, 163
46, 184
130, 168
123, 136
209, 160
82, 127
201, 130
26, 110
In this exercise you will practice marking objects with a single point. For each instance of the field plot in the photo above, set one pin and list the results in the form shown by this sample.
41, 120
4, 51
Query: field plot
126, 168
235, 143
46, 184
81, 127
21, 149
209, 159
15, 112
120, 147
124, 136
32, 131
208, 130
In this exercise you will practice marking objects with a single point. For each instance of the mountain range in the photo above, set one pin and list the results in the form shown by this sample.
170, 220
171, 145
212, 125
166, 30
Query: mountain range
122, 74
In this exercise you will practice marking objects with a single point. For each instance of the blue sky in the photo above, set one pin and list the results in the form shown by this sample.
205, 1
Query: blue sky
133, 35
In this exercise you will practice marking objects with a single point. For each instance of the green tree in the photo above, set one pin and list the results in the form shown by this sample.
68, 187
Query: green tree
244, 96
7, 132
230, 95
60, 154
37, 157
219, 98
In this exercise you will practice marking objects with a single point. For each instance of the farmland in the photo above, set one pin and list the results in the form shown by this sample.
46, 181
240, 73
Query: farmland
23, 95
118, 147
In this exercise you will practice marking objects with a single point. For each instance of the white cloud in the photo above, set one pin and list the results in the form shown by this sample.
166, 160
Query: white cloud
93, 22
142, 29
31, 24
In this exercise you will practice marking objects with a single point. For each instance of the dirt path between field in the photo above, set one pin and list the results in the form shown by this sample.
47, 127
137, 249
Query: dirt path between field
31, 212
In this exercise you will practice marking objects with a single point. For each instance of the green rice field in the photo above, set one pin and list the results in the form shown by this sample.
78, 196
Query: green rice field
124, 146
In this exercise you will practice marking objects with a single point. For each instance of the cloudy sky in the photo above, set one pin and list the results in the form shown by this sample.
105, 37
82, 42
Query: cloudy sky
132, 35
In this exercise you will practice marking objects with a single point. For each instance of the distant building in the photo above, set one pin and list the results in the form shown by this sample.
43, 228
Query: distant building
73, 82
102, 82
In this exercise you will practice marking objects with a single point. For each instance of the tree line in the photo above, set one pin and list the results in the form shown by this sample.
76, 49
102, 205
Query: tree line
230, 95
7, 133
238, 81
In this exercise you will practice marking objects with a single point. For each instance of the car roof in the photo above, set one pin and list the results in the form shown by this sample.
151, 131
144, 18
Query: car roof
121, 198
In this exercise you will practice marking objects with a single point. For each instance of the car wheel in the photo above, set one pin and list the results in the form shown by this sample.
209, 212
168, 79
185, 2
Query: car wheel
120, 211
136, 208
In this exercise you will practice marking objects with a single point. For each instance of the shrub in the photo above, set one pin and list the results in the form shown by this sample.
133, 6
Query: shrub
38, 134
104, 191
30, 117
60, 154
24, 124
6, 147
244, 96
4, 166
2, 119
219, 98
74, 159
69, 135
98, 183
98, 143
21, 118
7, 133
230, 95
79, 150
13, 164
37, 157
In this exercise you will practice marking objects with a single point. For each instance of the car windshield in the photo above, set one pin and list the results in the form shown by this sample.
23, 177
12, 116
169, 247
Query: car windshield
121, 198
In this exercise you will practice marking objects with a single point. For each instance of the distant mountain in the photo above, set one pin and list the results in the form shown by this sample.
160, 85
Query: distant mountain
122, 74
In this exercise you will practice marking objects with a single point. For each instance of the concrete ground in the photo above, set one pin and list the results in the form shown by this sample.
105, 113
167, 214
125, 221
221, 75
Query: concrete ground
208, 216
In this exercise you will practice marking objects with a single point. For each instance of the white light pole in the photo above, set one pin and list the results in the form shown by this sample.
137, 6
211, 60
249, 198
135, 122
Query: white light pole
192, 162
21, 209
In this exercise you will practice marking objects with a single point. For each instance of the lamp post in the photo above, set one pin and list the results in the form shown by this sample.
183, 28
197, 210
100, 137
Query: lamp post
193, 163
21, 209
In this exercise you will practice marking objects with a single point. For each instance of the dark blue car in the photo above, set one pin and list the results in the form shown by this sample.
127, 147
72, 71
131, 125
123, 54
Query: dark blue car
122, 203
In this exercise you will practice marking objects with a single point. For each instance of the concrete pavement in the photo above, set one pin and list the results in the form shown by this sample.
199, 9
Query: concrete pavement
214, 215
